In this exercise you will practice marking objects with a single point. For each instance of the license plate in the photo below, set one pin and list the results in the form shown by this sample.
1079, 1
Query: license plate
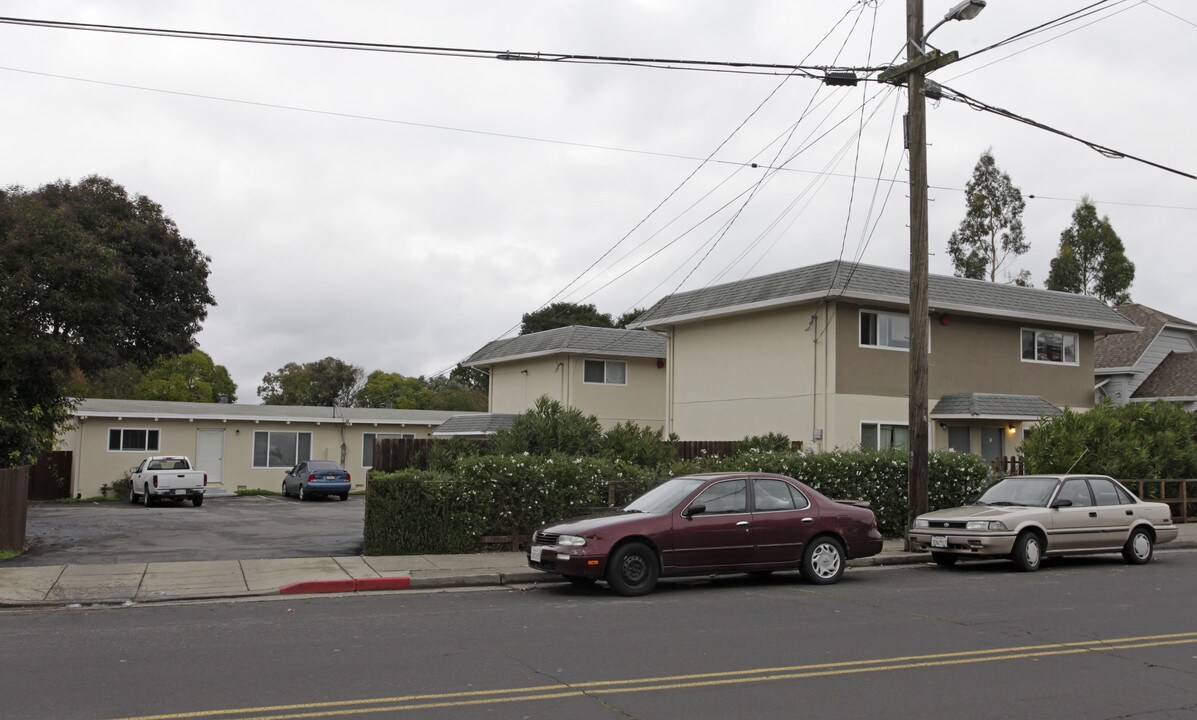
535, 553
939, 541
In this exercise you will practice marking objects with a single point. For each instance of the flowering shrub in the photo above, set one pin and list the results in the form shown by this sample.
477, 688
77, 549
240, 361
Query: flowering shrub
422, 512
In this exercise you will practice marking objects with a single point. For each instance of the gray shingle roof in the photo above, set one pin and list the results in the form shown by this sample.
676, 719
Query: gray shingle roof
155, 409
994, 406
1122, 351
1175, 377
479, 424
870, 283
571, 339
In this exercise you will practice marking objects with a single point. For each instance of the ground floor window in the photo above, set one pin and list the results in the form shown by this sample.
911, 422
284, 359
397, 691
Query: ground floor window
281, 449
880, 436
132, 440
368, 444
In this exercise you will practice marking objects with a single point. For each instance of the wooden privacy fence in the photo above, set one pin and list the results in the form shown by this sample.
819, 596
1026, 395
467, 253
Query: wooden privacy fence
393, 454
1008, 465
14, 507
1180, 495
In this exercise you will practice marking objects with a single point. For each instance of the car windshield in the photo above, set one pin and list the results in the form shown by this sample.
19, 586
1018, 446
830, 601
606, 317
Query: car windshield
665, 496
1025, 491
326, 465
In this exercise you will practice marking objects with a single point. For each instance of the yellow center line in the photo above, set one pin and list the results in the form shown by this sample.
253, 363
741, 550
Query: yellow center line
674, 682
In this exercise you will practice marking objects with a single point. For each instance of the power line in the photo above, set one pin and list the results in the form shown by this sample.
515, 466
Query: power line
960, 97
1166, 12
811, 71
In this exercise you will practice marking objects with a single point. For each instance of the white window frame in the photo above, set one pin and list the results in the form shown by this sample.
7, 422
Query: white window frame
880, 314
253, 459
880, 424
1076, 347
605, 364
157, 434
374, 436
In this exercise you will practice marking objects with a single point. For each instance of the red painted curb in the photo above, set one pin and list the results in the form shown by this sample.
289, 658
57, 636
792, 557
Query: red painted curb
384, 583
309, 587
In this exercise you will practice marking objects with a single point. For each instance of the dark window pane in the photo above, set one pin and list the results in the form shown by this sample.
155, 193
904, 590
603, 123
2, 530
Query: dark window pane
368, 450
1105, 492
868, 437
772, 495
305, 446
261, 452
152, 440
134, 440
114, 439
1077, 492
593, 371
725, 497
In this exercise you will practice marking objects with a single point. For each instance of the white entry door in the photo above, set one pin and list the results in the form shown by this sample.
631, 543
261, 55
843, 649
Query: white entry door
209, 454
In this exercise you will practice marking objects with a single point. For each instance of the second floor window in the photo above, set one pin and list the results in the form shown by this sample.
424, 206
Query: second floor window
1049, 346
605, 372
885, 330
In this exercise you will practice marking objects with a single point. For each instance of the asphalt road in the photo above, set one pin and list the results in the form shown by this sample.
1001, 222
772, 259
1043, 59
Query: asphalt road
1081, 639
228, 528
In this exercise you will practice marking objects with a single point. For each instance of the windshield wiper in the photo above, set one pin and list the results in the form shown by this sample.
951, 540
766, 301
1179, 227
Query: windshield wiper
1004, 502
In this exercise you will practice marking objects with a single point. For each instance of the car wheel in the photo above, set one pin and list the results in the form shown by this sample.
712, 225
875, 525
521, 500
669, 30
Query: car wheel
302, 494
344, 496
1028, 552
632, 570
286, 492
580, 581
823, 561
197, 500
944, 559
132, 494
1139, 548
145, 496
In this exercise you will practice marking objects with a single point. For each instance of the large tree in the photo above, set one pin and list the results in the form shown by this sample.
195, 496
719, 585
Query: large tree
323, 383
563, 314
384, 389
991, 233
90, 279
1091, 259
187, 378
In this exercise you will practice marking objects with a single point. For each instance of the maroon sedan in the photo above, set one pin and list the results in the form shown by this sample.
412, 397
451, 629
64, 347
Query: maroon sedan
710, 523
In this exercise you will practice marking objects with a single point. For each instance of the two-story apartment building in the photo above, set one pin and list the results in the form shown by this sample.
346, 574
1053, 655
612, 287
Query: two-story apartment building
615, 375
820, 353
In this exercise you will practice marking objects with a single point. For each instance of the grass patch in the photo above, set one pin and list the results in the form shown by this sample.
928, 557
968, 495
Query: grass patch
258, 492
9, 554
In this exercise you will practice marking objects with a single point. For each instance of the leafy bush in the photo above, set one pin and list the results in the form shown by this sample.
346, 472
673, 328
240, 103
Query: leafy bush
416, 511
1146, 441
121, 486
550, 427
444, 454
771, 442
633, 444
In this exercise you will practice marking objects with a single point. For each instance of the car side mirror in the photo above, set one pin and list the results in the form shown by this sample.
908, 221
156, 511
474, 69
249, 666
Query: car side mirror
133, 469
694, 510
1063, 502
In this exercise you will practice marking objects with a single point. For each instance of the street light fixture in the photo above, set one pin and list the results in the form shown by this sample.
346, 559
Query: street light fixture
966, 10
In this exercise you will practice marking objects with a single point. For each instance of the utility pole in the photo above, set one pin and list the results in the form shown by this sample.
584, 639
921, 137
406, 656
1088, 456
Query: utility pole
916, 139
914, 71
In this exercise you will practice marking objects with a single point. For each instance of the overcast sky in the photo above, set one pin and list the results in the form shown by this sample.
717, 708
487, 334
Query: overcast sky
399, 211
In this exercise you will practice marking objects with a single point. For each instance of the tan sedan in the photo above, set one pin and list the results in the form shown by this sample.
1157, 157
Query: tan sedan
1026, 518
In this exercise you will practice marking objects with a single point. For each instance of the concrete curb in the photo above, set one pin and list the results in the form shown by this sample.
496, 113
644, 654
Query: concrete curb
309, 587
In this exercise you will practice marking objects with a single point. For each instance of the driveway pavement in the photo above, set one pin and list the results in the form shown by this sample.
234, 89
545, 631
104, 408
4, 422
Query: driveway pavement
224, 528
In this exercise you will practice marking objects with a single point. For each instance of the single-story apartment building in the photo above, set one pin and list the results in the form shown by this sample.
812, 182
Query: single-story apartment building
239, 446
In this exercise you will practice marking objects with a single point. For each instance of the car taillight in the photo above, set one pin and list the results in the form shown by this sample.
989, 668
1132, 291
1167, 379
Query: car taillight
205, 479
311, 477
155, 482
347, 477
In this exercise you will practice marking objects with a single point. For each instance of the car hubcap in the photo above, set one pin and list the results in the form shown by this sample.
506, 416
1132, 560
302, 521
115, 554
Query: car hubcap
1032, 552
1142, 546
634, 569
826, 561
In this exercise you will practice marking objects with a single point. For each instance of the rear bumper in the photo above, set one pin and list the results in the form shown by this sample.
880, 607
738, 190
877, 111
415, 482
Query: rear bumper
314, 488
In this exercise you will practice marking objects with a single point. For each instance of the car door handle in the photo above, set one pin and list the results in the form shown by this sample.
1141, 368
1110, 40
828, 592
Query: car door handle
808, 520
1092, 514
1130, 512
742, 523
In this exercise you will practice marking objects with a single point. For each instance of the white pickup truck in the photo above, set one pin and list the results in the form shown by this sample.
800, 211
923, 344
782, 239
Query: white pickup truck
167, 476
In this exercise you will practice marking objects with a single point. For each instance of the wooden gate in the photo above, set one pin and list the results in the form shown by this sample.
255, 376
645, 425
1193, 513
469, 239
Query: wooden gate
50, 479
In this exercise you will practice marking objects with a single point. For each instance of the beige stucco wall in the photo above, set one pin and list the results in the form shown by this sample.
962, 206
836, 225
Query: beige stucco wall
748, 375
516, 385
968, 354
94, 465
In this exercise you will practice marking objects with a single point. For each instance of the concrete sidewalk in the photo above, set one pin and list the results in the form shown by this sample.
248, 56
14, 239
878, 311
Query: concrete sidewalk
156, 582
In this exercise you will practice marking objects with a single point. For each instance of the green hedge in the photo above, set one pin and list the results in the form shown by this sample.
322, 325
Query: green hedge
446, 512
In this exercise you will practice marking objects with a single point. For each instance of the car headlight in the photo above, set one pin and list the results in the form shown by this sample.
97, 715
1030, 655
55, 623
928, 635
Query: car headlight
573, 540
985, 525
921, 523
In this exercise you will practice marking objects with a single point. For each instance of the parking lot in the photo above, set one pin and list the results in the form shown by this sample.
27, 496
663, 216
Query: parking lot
224, 528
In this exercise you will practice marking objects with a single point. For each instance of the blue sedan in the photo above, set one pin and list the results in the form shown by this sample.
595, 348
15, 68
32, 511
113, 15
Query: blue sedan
312, 478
